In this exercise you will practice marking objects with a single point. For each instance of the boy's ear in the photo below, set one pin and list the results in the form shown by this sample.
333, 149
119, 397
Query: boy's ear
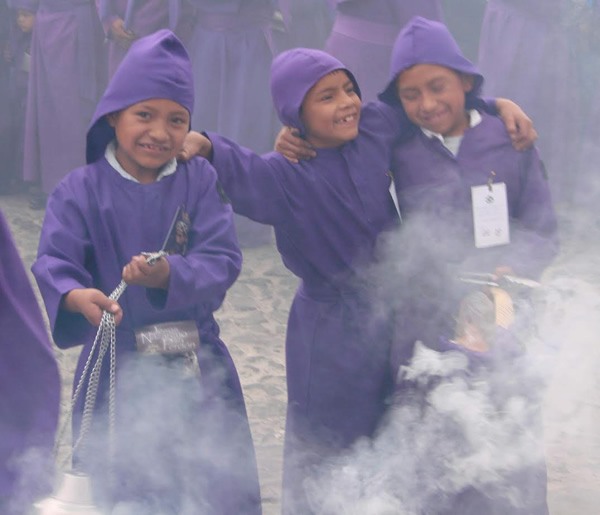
468, 81
111, 118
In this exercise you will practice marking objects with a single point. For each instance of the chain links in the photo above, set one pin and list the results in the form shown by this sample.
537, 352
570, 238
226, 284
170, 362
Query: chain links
105, 341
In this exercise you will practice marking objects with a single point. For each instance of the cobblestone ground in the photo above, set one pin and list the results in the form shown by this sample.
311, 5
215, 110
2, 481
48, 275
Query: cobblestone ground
253, 320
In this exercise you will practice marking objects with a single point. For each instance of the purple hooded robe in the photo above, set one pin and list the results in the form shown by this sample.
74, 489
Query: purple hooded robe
327, 213
364, 32
29, 386
5, 107
142, 18
195, 451
433, 187
231, 52
526, 55
20, 50
65, 80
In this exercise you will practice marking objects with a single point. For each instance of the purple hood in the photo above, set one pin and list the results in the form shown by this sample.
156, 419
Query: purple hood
424, 41
293, 73
156, 66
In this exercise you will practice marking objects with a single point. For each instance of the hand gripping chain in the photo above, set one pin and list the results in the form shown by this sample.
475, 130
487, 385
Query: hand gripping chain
105, 341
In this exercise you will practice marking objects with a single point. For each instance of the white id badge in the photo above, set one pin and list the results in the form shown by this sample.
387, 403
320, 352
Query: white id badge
490, 215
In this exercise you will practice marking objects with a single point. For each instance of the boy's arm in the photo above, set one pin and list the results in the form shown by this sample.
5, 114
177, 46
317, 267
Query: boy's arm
519, 126
534, 236
249, 180
59, 267
213, 260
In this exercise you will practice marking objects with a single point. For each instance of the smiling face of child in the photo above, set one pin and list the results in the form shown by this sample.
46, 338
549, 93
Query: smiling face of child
149, 134
433, 97
331, 111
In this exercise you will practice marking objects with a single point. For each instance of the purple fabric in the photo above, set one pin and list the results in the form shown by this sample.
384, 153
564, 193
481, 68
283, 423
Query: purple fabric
19, 47
5, 122
28, 5
29, 383
96, 220
231, 55
424, 41
170, 77
64, 82
327, 213
307, 23
464, 19
364, 32
434, 196
525, 44
142, 18
430, 181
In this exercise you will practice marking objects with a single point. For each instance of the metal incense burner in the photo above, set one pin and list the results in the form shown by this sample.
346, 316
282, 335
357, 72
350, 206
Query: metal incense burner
73, 497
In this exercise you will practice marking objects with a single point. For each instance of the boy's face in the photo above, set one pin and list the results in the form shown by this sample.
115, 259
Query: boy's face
149, 134
330, 111
433, 97
25, 20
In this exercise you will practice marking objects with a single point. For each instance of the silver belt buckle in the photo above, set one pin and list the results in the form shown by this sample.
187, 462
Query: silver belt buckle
177, 341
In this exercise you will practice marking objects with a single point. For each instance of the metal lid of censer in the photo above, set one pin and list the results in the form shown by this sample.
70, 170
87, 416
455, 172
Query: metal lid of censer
73, 497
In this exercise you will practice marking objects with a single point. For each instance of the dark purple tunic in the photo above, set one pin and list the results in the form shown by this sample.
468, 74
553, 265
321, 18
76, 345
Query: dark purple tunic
364, 32
30, 386
96, 221
20, 50
327, 214
66, 79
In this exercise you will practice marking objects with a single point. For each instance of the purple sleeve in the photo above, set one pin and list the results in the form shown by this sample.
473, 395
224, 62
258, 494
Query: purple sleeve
252, 182
534, 234
60, 264
213, 261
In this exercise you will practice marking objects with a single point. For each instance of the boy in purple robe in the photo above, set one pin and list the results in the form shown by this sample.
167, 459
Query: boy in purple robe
29, 386
65, 79
18, 53
231, 50
124, 21
364, 32
183, 444
469, 201
327, 214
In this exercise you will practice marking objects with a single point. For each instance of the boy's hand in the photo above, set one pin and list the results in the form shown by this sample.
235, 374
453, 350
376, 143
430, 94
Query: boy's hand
519, 126
195, 144
120, 34
292, 146
139, 272
91, 303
